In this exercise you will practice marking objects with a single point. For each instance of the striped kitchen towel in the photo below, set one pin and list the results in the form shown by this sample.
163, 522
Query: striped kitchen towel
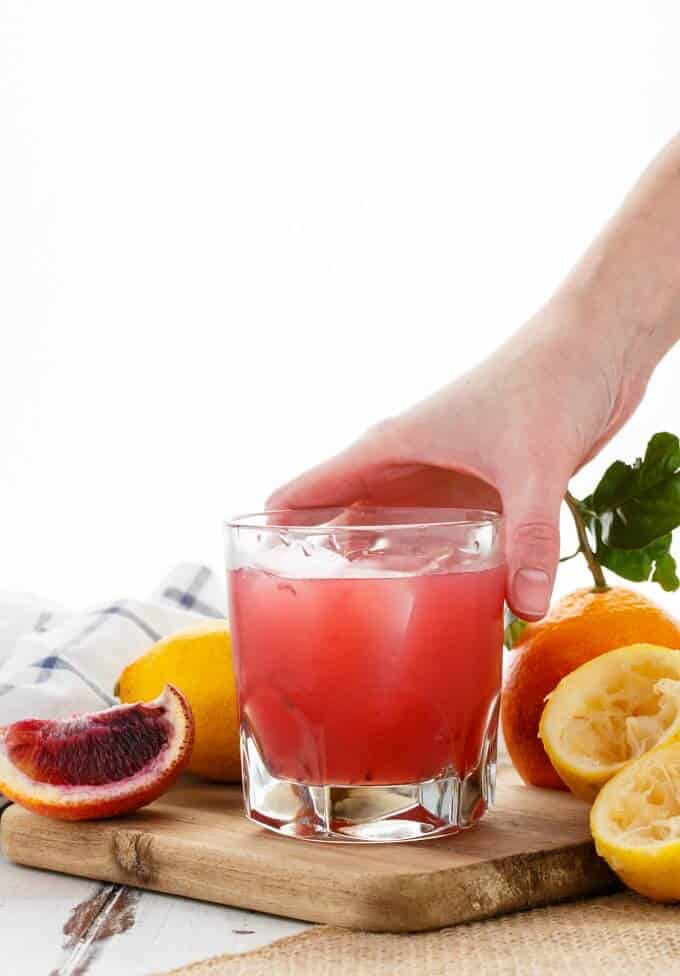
54, 663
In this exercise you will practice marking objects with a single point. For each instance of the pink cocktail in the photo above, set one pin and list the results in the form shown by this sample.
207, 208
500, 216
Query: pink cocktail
368, 657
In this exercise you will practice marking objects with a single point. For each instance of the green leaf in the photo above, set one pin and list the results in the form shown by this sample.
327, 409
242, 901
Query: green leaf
662, 460
615, 486
653, 562
637, 504
513, 628
666, 573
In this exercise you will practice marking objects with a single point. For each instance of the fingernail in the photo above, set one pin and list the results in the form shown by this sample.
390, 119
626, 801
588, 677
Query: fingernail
531, 591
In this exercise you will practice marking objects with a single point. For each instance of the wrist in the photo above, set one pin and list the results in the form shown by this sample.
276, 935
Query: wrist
627, 284
598, 365
627, 330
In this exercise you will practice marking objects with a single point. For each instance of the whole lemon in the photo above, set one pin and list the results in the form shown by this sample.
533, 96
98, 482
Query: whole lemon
199, 663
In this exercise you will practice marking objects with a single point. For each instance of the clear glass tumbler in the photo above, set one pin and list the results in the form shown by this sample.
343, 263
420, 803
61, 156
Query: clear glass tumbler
367, 645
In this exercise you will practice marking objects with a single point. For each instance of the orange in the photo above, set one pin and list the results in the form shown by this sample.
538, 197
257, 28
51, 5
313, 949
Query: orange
579, 627
100, 764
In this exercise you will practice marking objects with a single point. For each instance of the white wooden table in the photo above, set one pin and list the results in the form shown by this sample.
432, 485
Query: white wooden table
163, 932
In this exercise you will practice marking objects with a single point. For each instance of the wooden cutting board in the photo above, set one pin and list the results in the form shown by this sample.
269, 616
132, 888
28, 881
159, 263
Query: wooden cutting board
533, 848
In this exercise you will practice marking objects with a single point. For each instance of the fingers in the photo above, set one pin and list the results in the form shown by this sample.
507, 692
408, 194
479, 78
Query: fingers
533, 546
343, 479
380, 467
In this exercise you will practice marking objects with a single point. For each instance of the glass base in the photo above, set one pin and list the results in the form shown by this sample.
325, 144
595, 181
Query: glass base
369, 814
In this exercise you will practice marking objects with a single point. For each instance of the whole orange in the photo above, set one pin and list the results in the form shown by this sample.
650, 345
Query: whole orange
579, 627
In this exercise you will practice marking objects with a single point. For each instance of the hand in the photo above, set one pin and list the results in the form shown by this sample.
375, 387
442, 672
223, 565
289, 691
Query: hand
508, 434
513, 431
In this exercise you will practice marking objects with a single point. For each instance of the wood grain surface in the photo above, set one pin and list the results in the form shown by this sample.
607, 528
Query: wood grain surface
533, 848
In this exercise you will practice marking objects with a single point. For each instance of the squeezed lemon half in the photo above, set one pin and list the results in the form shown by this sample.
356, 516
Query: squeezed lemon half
609, 712
635, 822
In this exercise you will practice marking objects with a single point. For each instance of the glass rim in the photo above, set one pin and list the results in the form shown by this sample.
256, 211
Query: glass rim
451, 518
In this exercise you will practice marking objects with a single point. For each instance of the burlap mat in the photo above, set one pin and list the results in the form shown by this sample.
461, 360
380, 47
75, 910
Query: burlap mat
621, 935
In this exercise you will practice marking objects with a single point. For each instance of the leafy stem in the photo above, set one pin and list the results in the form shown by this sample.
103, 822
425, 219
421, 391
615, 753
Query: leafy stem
584, 543
572, 555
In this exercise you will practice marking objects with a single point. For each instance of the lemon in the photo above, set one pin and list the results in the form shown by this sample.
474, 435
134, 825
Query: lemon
609, 712
635, 822
199, 663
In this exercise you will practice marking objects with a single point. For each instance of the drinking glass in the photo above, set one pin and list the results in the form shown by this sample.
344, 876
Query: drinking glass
367, 645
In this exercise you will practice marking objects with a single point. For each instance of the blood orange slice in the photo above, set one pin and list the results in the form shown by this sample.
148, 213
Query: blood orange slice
99, 764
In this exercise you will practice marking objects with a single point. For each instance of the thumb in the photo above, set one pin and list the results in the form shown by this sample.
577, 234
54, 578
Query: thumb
533, 547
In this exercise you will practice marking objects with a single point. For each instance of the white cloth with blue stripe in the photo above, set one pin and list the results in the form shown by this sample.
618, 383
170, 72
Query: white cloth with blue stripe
54, 664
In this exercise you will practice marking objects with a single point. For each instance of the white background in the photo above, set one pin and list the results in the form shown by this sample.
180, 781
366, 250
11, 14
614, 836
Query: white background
232, 235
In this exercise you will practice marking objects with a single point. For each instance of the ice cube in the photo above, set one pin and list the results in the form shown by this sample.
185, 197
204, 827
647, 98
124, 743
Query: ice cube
301, 558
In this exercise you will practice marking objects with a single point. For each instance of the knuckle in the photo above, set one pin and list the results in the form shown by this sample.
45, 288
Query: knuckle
541, 535
388, 437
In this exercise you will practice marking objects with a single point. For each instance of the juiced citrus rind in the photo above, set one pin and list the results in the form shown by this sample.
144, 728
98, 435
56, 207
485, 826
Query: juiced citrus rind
579, 627
609, 712
635, 822
89, 802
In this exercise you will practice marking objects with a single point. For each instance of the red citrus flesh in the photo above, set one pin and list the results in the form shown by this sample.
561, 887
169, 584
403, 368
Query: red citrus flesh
99, 764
